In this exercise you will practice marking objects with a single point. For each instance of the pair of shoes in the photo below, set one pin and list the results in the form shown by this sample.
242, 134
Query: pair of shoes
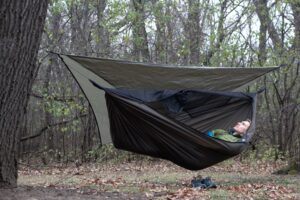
208, 182
198, 184
203, 183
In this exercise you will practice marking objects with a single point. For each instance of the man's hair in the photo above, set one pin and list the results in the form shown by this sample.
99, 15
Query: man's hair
248, 120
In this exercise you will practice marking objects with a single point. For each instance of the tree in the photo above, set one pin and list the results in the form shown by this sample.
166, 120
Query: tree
220, 34
160, 38
193, 30
282, 99
140, 44
102, 35
21, 26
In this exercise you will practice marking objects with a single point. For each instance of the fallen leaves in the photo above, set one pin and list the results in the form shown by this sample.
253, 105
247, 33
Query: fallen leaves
188, 193
262, 190
235, 180
253, 167
102, 181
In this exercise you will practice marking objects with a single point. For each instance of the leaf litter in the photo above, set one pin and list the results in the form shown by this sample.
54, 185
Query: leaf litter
154, 180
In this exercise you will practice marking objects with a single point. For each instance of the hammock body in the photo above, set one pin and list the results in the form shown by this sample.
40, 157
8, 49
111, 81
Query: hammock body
139, 128
139, 112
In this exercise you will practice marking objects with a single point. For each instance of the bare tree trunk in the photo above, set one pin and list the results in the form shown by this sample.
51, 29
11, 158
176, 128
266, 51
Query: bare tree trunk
262, 36
296, 13
295, 152
140, 44
160, 39
193, 30
89, 128
263, 14
171, 56
220, 34
84, 30
53, 44
21, 25
102, 41
48, 118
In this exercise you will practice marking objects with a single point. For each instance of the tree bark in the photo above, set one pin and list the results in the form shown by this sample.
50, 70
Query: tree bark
140, 44
295, 143
193, 30
160, 38
171, 56
21, 25
89, 128
102, 38
53, 43
262, 12
220, 34
262, 36
296, 14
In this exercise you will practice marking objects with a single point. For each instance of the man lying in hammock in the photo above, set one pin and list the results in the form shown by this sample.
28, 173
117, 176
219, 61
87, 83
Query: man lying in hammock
234, 134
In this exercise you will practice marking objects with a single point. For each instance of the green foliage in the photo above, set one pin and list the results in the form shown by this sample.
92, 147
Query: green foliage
291, 169
272, 154
57, 107
160, 14
266, 153
57, 7
184, 49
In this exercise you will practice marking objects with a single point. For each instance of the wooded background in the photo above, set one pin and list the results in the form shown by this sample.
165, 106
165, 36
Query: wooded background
59, 124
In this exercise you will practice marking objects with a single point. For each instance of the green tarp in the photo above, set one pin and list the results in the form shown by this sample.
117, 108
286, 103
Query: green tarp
124, 74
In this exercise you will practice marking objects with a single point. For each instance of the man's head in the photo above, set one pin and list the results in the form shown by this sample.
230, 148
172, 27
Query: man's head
242, 127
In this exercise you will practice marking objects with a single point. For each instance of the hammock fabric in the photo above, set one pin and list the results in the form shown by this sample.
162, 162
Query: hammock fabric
164, 111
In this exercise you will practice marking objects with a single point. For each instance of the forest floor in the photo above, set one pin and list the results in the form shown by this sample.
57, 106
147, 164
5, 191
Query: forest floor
152, 180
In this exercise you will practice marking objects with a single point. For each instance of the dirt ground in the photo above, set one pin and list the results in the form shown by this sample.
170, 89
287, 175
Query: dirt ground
152, 180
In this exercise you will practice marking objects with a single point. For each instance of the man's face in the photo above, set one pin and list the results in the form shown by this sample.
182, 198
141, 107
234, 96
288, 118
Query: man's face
242, 127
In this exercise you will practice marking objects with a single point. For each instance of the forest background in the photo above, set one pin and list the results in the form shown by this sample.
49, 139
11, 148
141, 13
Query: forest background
59, 126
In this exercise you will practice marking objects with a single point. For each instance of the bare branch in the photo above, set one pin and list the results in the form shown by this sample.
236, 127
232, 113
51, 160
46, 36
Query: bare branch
42, 130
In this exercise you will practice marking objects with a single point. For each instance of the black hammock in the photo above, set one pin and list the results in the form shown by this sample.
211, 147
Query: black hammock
171, 124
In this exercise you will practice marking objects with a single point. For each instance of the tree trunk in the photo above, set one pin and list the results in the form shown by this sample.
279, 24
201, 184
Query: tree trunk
21, 25
53, 43
295, 144
262, 12
296, 14
141, 51
171, 56
160, 37
193, 30
220, 34
102, 37
262, 54
89, 128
